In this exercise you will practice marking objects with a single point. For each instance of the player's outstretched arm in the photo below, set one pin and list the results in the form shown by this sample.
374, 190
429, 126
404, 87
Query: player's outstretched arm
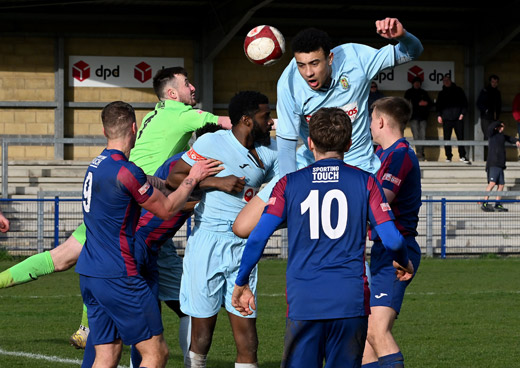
165, 207
409, 47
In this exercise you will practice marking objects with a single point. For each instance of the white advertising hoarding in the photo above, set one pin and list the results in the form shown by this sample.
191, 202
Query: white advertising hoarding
431, 73
116, 71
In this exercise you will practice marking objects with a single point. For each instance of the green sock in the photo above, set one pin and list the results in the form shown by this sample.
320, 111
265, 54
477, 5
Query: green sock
28, 270
84, 318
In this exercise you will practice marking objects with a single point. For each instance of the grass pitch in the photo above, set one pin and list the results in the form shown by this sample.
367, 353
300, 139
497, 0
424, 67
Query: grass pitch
457, 313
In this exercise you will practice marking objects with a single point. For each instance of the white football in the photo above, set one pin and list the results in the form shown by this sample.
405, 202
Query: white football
264, 45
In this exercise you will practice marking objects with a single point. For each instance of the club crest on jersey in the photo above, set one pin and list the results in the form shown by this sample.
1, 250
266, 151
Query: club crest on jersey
194, 155
144, 188
392, 179
344, 83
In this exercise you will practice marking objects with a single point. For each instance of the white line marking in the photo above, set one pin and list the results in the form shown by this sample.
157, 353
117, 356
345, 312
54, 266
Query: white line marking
47, 358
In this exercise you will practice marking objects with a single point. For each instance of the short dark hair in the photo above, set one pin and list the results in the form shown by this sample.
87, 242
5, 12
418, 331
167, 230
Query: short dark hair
397, 108
245, 103
330, 129
311, 39
207, 128
494, 76
117, 117
164, 76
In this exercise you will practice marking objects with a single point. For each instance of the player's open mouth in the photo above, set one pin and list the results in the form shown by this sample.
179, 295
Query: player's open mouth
313, 83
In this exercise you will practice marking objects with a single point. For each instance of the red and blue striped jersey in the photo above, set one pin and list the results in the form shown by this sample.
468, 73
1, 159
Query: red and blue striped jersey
401, 174
328, 207
113, 190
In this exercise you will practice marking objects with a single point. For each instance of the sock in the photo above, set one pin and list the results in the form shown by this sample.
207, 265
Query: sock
185, 334
28, 270
395, 360
371, 365
246, 365
194, 360
84, 317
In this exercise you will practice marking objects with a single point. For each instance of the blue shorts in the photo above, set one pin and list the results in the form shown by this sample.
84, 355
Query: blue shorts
169, 265
120, 308
385, 289
496, 175
339, 341
210, 268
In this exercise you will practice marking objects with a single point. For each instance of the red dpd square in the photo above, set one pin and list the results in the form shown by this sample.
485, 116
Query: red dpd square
142, 72
81, 71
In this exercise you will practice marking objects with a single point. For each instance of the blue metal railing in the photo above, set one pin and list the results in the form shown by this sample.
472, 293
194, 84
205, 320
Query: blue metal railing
446, 226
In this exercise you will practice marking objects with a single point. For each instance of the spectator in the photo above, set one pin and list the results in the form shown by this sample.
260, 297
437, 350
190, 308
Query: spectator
421, 104
452, 106
496, 163
375, 94
516, 112
489, 102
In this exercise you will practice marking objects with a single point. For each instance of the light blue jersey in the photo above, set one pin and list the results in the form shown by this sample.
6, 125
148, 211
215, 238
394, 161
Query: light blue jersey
218, 210
353, 68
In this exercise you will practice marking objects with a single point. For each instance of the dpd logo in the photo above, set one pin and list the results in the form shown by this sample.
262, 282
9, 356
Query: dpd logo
415, 71
81, 71
142, 72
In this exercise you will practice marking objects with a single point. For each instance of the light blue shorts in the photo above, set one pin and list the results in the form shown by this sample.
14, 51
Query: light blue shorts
210, 268
169, 265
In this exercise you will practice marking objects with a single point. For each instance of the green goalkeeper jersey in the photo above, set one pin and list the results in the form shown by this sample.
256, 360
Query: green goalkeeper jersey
165, 132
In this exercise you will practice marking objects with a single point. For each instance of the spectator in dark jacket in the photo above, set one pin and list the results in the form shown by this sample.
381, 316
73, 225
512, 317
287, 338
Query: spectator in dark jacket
452, 106
421, 104
496, 163
489, 102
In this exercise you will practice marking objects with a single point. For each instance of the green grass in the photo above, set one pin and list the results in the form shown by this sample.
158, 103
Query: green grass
457, 313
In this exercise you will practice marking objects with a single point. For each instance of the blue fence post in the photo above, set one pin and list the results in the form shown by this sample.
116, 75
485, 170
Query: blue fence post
56, 221
443, 228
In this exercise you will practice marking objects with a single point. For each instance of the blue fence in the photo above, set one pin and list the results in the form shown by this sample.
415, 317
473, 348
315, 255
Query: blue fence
447, 227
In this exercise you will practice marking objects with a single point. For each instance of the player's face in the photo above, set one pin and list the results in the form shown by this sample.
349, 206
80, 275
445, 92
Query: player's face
185, 90
262, 125
315, 67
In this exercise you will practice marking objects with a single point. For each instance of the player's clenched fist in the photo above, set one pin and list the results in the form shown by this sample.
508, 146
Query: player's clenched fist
390, 28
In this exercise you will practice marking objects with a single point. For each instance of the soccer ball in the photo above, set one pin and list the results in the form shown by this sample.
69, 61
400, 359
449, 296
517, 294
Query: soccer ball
264, 45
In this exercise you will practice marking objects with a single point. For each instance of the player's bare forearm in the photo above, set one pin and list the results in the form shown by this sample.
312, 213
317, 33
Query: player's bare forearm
228, 184
159, 184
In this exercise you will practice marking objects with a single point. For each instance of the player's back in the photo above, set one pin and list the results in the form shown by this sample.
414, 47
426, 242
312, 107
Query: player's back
112, 191
328, 206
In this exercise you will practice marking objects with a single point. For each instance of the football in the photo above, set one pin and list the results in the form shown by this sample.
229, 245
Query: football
264, 45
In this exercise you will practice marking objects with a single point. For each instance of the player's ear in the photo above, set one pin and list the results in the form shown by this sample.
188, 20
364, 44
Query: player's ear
172, 94
105, 133
310, 143
134, 128
330, 58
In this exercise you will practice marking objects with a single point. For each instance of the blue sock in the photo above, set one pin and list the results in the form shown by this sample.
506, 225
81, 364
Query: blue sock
392, 361
371, 365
